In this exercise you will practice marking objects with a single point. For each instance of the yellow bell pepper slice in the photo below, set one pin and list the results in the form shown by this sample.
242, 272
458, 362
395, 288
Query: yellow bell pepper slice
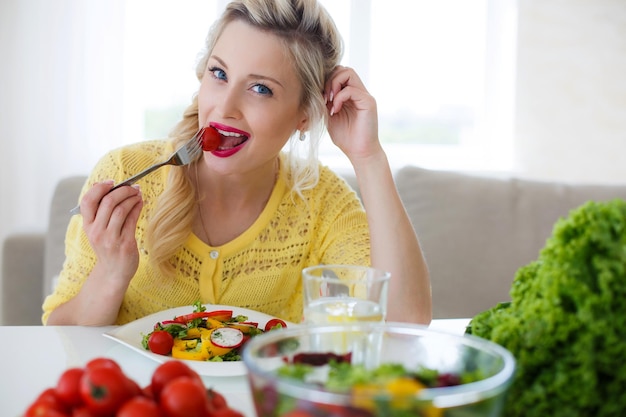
212, 323
189, 350
193, 333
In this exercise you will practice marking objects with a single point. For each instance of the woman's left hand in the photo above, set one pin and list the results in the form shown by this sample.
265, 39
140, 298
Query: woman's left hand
353, 122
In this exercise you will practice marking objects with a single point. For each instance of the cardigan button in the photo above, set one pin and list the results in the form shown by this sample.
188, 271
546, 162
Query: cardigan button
214, 254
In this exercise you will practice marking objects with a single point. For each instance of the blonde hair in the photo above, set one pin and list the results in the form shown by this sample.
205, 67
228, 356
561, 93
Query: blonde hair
310, 37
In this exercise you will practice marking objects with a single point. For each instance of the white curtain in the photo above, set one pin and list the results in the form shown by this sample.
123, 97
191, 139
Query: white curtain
60, 95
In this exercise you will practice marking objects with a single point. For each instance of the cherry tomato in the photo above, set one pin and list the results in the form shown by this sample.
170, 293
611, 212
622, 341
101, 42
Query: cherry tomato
104, 390
68, 387
133, 387
216, 400
147, 392
139, 407
102, 362
82, 411
274, 323
226, 412
46, 404
167, 372
184, 396
43, 409
160, 342
210, 139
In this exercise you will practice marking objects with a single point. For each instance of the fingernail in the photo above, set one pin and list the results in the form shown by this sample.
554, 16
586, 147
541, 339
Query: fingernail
332, 110
136, 187
332, 96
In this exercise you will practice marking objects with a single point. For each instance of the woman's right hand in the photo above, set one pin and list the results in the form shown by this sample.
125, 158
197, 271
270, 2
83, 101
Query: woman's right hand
110, 220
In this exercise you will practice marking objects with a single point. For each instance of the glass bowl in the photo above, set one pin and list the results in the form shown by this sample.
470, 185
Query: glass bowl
481, 369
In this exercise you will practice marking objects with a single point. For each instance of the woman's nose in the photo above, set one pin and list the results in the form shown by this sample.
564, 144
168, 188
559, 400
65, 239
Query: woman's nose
229, 103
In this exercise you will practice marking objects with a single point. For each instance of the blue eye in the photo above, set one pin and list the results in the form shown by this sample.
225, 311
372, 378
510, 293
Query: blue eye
218, 73
262, 89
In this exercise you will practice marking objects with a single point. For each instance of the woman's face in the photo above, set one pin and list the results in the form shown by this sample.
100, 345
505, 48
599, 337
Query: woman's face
251, 94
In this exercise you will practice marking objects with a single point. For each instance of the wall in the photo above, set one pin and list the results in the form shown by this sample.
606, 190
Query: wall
571, 90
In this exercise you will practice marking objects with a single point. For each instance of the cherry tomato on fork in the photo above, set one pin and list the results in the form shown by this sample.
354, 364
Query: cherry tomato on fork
210, 139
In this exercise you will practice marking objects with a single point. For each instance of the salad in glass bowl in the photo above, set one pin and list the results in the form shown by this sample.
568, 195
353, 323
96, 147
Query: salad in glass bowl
376, 369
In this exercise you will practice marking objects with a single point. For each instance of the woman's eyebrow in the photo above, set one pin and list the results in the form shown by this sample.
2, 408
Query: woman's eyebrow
218, 59
254, 76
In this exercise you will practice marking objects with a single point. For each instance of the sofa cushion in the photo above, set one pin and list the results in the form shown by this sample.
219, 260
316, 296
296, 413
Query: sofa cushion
476, 231
22, 268
65, 197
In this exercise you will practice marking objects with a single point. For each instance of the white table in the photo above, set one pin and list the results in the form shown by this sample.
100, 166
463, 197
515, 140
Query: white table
33, 358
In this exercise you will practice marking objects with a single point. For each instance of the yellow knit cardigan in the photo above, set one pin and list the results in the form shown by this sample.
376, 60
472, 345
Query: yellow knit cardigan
258, 270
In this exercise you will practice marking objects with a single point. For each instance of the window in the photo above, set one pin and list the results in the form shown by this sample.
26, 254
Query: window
441, 71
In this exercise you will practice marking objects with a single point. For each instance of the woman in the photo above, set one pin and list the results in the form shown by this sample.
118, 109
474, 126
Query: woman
238, 225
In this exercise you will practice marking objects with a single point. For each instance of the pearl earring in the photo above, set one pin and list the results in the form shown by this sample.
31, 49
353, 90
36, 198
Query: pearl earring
302, 136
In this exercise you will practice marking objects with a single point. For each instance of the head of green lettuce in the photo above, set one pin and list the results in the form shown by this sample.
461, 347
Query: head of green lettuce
566, 321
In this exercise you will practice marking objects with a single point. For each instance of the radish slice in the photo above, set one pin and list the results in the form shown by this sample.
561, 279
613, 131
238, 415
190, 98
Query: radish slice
227, 337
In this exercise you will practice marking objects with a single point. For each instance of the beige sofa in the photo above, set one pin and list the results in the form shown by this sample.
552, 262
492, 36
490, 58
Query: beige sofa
476, 231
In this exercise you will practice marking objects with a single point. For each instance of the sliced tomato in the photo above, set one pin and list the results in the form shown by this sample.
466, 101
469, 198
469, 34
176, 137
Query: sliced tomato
221, 315
275, 324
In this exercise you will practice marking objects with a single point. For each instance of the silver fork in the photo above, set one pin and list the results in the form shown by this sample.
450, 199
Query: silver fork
183, 156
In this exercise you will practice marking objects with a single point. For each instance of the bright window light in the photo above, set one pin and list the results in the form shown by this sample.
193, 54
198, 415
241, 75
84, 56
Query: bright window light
441, 72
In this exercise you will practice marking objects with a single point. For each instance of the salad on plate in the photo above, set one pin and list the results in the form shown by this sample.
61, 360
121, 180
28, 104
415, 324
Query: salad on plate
205, 335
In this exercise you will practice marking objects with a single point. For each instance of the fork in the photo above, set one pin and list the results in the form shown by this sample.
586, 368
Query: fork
183, 156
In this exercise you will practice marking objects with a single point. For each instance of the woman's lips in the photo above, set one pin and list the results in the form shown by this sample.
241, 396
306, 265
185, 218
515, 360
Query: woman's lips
232, 140
226, 152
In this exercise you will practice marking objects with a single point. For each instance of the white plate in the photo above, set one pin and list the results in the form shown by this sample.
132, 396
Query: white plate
131, 333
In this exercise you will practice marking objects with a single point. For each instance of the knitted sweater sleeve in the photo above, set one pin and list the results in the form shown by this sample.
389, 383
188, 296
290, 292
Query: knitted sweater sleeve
343, 235
80, 258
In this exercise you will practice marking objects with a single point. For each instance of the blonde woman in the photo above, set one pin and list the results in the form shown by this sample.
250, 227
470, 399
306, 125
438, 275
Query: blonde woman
238, 225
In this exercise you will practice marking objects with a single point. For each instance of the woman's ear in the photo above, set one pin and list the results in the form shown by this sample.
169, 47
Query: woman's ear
303, 123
